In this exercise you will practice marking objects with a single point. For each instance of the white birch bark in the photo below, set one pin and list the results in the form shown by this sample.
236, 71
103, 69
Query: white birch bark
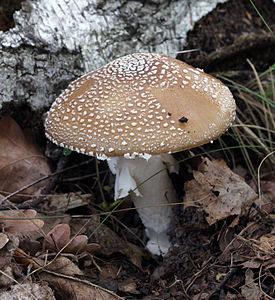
54, 41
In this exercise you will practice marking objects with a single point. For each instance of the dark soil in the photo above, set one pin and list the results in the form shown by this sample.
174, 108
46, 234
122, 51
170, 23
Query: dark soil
7, 8
230, 35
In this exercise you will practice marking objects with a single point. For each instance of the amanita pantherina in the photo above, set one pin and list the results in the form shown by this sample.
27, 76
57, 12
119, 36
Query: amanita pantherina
134, 111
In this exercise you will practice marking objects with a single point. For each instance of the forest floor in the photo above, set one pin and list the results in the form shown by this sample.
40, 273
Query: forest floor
220, 251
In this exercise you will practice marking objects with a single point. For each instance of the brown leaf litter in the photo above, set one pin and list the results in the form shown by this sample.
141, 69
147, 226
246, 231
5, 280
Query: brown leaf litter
218, 191
58, 239
18, 221
21, 160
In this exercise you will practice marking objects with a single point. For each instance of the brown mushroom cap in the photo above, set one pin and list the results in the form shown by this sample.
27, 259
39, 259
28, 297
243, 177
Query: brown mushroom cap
140, 104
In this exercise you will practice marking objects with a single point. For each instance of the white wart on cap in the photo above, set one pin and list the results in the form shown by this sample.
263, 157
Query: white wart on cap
140, 104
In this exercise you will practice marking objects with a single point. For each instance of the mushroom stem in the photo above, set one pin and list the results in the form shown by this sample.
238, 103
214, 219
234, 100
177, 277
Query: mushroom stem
152, 193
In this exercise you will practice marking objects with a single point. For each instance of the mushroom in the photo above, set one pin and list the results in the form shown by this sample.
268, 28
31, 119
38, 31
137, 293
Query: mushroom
134, 112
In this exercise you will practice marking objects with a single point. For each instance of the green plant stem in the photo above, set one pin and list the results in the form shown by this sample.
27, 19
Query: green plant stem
262, 18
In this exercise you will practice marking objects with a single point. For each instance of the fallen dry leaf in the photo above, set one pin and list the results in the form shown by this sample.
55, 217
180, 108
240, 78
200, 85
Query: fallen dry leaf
79, 244
21, 161
109, 241
7, 277
19, 226
7, 252
267, 243
267, 188
128, 286
252, 245
61, 264
108, 271
270, 264
70, 287
29, 245
65, 266
25, 260
59, 236
6, 255
252, 264
29, 290
62, 202
3, 240
226, 235
49, 224
220, 192
250, 290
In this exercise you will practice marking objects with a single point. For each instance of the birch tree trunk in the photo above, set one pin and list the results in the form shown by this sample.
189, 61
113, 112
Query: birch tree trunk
55, 41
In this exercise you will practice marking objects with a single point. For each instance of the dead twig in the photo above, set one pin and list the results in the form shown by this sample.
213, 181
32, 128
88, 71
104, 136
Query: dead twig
218, 288
97, 287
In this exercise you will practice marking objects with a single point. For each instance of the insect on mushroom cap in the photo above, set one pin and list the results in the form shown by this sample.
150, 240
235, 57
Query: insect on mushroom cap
140, 104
